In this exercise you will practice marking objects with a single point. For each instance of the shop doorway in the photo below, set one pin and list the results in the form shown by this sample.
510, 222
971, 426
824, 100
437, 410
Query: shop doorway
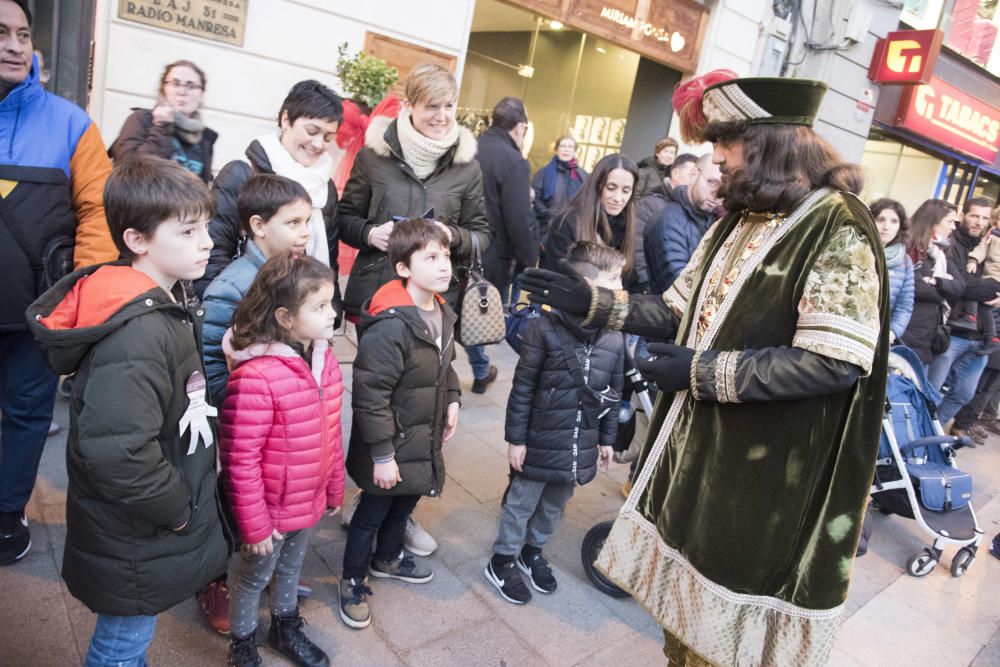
609, 98
63, 32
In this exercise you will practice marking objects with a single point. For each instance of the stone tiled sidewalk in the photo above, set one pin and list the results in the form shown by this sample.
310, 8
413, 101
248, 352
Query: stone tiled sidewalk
458, 619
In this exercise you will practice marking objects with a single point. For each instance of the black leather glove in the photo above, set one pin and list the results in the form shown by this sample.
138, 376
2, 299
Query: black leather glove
567, 291
669, 366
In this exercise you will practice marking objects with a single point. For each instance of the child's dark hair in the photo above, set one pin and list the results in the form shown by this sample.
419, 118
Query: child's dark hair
264, 194
284, 281
143, 191
597, 255
311, 99
411, 235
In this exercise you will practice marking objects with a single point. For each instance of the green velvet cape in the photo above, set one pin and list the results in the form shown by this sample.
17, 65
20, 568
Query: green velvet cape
740, 531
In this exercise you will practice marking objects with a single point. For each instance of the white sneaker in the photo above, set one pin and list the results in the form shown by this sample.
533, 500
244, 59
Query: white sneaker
418, 541
350, 507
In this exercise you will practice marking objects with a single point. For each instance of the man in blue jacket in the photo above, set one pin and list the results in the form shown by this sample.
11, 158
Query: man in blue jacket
670, 241
53, 167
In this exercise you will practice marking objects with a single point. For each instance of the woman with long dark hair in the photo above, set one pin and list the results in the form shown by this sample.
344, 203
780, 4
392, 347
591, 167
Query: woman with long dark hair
173, 129
602, 211
937, 282
893, 229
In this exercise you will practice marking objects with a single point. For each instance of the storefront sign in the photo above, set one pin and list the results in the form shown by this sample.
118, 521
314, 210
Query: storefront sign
218, 20
668, 31
905, 56
952, 118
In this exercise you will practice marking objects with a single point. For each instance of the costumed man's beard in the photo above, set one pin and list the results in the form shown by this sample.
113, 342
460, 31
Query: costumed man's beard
725, 188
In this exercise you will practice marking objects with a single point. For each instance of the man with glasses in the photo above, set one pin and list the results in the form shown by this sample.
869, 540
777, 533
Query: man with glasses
52, 173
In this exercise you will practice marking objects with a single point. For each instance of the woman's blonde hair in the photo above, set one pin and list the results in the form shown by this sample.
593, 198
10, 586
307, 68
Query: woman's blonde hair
430, 82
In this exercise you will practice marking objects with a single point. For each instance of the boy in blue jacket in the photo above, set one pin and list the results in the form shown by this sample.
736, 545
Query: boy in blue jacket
275, 214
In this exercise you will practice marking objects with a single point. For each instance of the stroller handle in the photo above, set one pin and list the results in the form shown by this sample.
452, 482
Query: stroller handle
942, 441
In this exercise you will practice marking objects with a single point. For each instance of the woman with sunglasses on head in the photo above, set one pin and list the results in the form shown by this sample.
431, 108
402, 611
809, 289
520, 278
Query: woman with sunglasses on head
173, 129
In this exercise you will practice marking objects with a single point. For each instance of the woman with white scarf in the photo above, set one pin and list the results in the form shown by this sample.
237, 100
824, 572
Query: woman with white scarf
307, 126
173, 129
419, 164
937, 281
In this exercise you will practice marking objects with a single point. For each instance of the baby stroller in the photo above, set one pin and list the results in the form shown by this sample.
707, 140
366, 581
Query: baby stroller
634, 435
915, 475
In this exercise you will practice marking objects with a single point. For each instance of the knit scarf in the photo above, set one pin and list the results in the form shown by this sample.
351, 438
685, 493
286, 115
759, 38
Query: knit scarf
551, 173
894, 255
315, 180
187, 127
420, 152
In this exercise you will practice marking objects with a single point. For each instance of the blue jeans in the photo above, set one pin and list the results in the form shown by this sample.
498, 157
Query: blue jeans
120, 641
27, 396
959, 367
479, 361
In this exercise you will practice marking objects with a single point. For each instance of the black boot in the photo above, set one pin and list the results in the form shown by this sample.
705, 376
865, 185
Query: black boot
243, 652
286, 637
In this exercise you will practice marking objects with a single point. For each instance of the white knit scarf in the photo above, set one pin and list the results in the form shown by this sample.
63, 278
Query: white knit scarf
315, 180
420, 152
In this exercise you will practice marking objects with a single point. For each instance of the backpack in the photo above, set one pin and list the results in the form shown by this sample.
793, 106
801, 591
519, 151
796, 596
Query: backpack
516, 319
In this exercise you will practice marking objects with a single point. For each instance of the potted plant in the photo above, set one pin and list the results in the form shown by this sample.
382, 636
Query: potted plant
365, 78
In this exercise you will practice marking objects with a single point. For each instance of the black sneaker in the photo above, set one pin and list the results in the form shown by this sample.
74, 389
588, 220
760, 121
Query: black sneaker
479, 386
538, 571
507, 580
15, 540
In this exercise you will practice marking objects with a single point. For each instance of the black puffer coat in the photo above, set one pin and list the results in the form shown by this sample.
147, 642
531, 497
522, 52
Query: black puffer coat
928, 304
134, 473
226, 229
544, 402
402, 387
383, 185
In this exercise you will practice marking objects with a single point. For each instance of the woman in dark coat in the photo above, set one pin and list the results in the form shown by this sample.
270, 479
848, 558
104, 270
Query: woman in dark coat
173, 129
556, 183
937, 281
603, 211
421, 163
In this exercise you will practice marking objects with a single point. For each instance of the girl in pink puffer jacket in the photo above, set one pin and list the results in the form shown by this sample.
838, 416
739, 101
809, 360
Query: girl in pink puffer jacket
281, 449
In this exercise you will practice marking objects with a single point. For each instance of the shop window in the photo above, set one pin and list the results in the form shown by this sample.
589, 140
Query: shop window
971, 27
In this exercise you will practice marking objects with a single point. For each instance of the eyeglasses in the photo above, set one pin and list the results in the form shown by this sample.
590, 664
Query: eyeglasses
189, 85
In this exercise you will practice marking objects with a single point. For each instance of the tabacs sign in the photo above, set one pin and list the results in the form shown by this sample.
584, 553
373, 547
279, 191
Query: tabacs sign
905, 56
218, 20
952, 118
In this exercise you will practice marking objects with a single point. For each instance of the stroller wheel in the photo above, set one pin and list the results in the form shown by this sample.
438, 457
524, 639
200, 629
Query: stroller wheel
921, 564
592, 543
962, 561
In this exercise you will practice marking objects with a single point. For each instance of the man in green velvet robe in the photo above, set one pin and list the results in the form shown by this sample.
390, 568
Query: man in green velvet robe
740, 530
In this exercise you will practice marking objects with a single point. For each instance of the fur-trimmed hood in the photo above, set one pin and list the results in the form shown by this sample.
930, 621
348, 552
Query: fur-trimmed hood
381, 137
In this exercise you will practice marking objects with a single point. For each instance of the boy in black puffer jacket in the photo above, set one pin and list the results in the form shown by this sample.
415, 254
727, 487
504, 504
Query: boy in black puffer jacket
405, 402
562, 417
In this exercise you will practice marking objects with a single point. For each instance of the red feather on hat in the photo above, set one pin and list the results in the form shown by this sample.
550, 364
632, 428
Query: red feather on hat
687, 102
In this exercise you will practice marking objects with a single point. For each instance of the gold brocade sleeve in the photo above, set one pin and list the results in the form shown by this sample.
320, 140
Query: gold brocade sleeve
838, 312
678, 294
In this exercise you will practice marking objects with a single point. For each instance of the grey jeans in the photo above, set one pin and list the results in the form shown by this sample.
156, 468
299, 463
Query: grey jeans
530, 514
253, 575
